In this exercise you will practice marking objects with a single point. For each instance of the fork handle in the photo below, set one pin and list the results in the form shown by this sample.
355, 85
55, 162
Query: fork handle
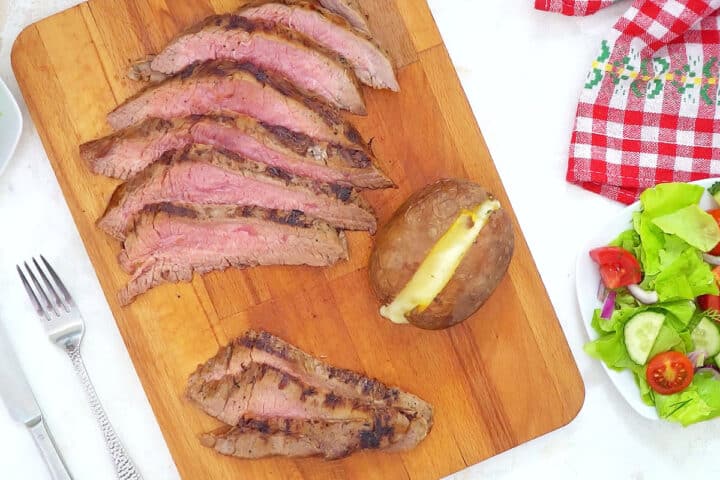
46, 445
124, 467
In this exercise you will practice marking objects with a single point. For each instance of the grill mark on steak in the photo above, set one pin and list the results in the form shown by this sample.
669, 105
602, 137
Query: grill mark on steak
281, 174
125, 153
294, 218
241, 88
341, 192
372, 439
235, 22
308, 392
309, 66
204, 175
332, 400
168, 243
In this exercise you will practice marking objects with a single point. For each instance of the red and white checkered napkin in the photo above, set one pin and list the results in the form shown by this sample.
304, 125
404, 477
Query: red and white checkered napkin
648, 112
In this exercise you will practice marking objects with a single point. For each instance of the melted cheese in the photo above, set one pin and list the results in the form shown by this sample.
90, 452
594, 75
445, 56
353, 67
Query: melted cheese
440, 264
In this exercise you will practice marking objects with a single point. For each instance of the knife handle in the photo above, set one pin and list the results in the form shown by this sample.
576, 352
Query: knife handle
50, 454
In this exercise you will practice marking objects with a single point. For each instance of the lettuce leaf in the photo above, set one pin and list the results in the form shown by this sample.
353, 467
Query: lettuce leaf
657, 248
610, 348
652, 242
693, 225
699, 402
628, 240
669, 197
687, 277
668, 339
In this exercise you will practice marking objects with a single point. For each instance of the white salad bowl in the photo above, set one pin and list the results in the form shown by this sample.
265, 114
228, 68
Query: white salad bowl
587, 277
11, 124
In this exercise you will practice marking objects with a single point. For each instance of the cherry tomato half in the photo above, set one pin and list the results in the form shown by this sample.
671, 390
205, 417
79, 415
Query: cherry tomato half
716, 215
669, 372
711, 302
618, 267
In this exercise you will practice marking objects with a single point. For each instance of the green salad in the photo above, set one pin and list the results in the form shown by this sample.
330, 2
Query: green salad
661, 303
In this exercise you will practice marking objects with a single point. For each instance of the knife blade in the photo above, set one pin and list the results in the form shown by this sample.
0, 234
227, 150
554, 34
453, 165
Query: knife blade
14, 388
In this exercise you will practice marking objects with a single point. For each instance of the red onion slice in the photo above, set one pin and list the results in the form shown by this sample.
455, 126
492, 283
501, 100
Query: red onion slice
602, 292
643, 296
711, 259
609, 306
698, 358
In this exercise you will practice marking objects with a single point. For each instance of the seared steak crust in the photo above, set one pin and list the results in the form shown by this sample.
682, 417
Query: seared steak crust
371, 65
347, 410
242, 88
305, 63
126, 152
170, 242
203, 175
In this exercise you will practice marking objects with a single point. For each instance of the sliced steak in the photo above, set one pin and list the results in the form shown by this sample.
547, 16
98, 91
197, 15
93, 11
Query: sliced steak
351, 11
268, 437
259, 390
221, 86
202, 175
267, 349
271, 46
307, 407
372, 66
169, 242
127, 152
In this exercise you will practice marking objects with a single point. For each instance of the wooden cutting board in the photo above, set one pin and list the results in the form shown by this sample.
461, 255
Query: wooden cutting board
500, 379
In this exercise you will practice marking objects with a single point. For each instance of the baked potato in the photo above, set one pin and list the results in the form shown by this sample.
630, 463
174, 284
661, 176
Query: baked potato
441, 255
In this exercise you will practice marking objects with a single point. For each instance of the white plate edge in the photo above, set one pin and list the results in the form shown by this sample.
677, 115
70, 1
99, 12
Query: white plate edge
18, 115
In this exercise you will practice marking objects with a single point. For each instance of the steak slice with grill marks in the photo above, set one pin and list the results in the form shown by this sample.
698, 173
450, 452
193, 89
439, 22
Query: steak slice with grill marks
290, 437
200, 174
307, 64
263, 347
306, 406
260, 390
125, 153
371, 65
351, 11
169, 242
222, 86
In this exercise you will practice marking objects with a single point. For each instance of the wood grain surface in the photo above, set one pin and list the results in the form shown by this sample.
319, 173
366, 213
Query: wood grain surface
500, 379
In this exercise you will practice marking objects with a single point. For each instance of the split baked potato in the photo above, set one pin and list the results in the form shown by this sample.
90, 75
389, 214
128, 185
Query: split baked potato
441, 255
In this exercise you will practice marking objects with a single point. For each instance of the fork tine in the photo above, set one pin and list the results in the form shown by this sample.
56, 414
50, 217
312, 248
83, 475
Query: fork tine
49, 286
49, 306
58, 282
33, 298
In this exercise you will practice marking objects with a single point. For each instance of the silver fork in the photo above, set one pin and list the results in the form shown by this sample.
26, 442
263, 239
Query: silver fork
65, 327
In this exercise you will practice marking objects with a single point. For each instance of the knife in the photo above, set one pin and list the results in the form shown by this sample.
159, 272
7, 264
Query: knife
20, 402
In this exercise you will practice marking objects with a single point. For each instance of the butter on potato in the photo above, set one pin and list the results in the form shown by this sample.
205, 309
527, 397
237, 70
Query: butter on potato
441, 255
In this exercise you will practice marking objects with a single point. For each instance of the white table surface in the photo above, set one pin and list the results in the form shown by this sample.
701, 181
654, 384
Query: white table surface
522, 71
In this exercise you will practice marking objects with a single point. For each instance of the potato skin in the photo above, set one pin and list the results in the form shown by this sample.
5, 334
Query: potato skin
403, 243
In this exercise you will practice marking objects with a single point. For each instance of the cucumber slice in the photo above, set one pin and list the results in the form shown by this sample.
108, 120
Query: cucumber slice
706, 337
641, 331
